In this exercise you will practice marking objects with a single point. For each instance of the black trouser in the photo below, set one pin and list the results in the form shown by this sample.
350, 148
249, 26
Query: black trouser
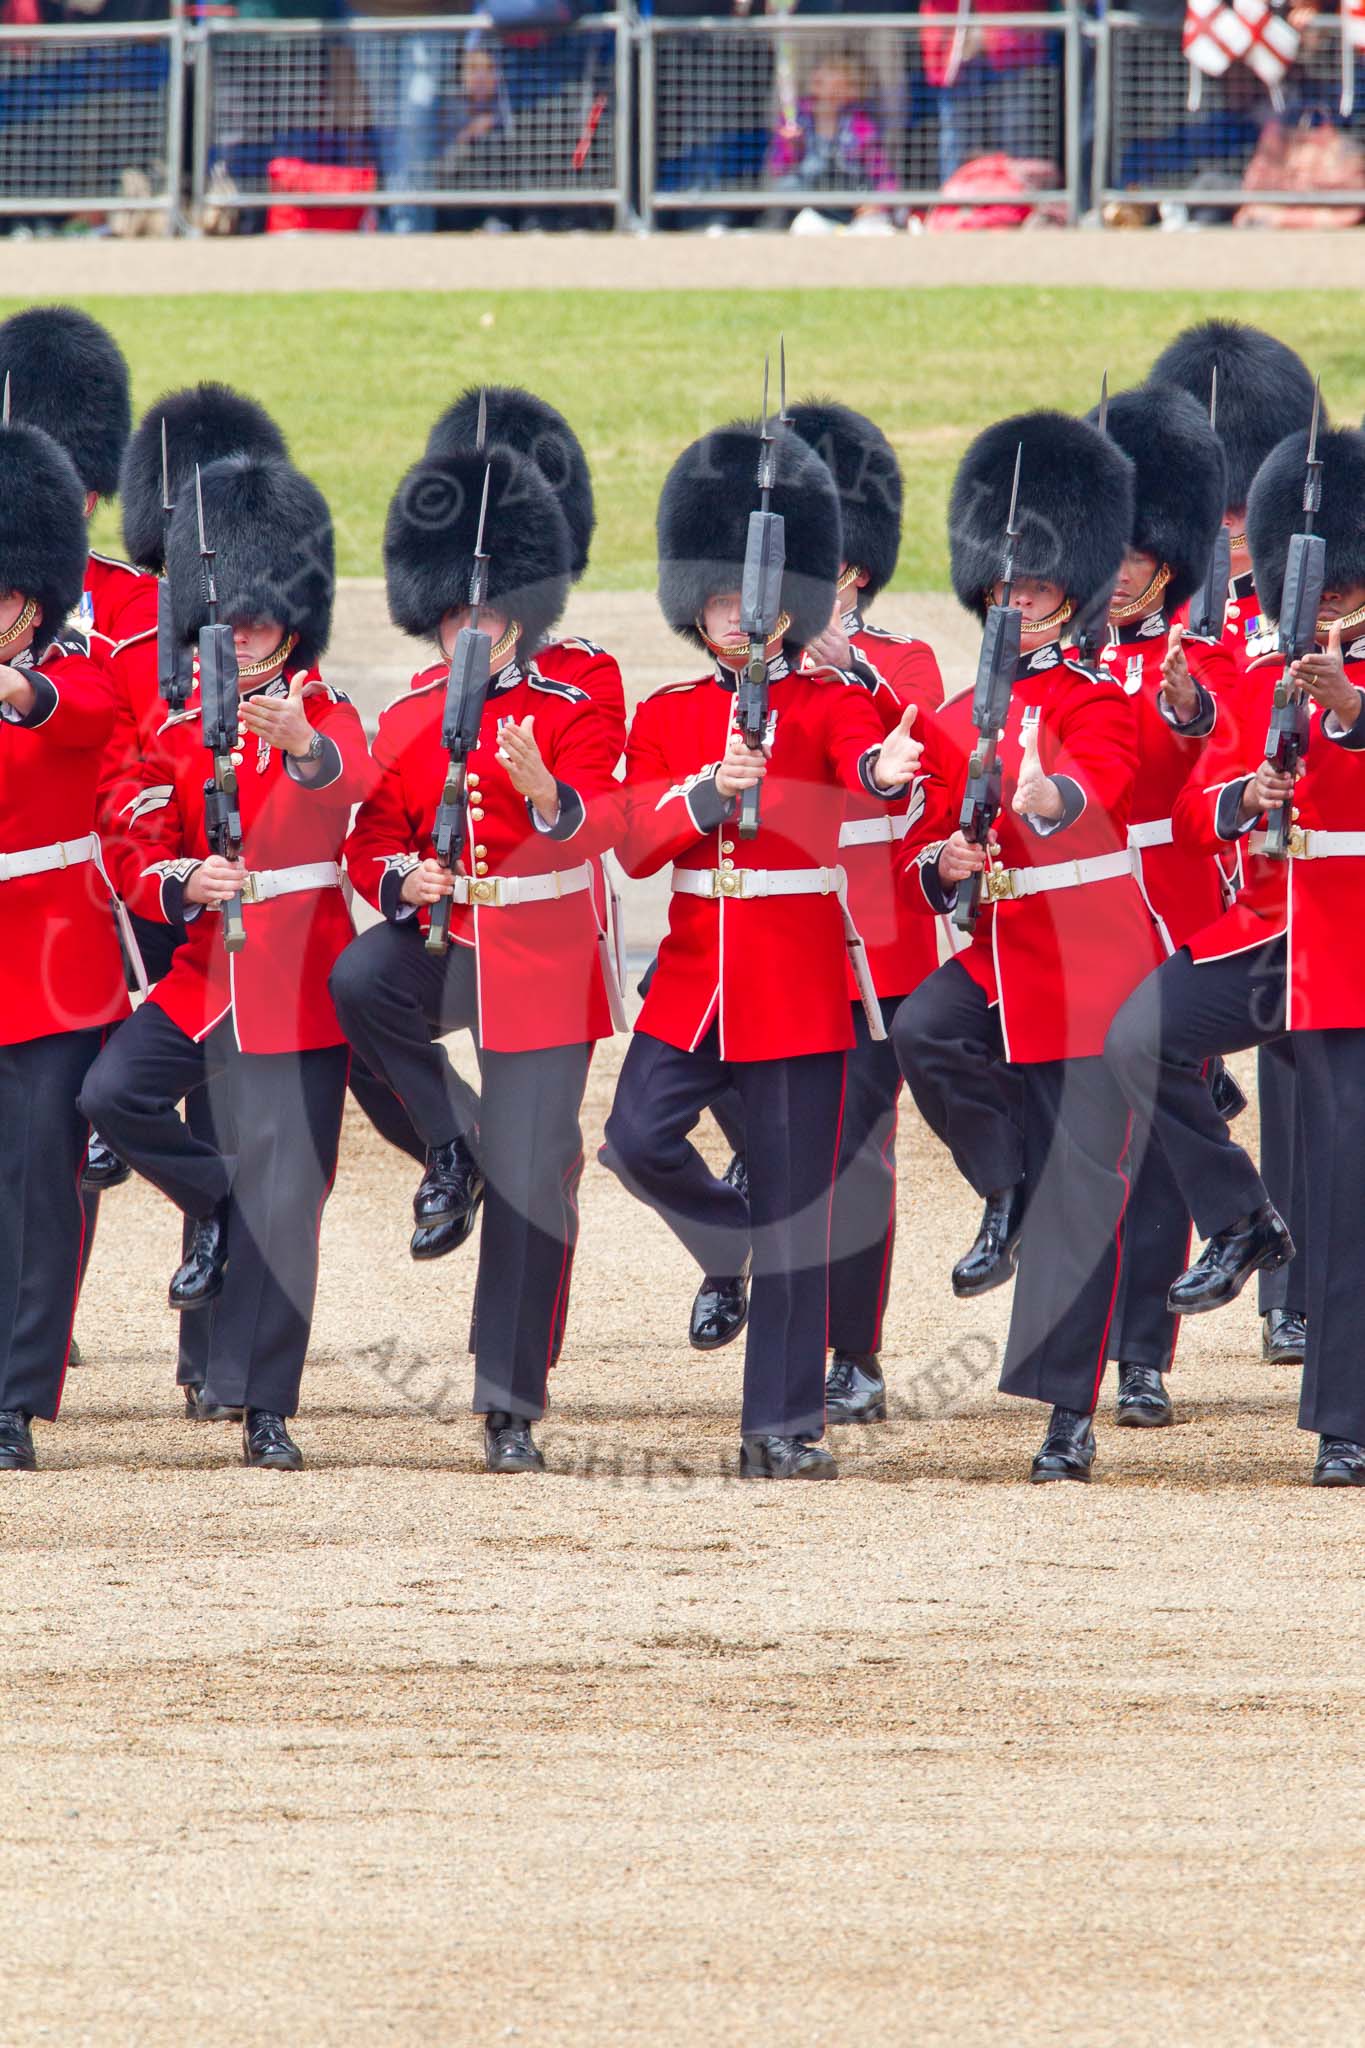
862, 1227
1174, 1022
947, 1040
1075, 1125
281, 1113
791, 1115
1331, 1067
43, 1137
1282, 1169
394, 1000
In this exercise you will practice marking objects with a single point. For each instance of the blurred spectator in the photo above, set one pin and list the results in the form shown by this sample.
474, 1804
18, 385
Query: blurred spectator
832, 139
991, 84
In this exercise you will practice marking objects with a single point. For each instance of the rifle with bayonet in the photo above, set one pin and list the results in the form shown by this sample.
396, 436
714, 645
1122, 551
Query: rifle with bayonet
997, 665
1301, 600
765, 555
174, 660
1208, 606
466, 695
218, 710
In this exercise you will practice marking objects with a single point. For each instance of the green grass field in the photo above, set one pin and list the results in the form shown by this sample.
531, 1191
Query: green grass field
356, 378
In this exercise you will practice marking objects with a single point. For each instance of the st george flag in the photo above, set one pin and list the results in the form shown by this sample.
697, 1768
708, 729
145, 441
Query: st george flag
1220, 33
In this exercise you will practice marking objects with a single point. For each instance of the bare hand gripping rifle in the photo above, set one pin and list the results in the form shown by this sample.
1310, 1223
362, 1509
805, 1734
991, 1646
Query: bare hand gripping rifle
765, 556
997, 665
466, 694
1208, 606
218, 710
1304, 573
174, 661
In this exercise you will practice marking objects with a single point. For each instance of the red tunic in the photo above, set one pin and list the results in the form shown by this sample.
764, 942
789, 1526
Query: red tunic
901, 947
276, 986
1059, 963
770, 972
540, 973
60, 966
1184, 890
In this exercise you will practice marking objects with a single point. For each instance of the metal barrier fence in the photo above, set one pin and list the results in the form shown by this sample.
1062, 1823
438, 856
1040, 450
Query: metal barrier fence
90, 119
1164, 136
439, 122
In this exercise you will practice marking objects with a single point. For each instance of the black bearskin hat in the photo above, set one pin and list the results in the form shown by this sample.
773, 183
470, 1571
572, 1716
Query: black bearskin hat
1178, 477
1075, 508
204, 423
67, 375
1275, 511
703, 523
867, 477
518, 419
43, 545
271, 533
431, 532
1264, 391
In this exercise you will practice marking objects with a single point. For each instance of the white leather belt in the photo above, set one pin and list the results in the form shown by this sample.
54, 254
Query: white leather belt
501, 892
872, 831
743, 884
1314, 845
1007, 884
263, 885
1156, 832
40, 860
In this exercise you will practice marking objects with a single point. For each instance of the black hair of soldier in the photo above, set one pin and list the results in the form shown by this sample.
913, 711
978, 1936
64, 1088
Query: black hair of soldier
43, 542
68, 376
1076, 490
431, 530
1275, 511
1265, 391
703, 523
1180, 480
204, 423
519, 419
274, 553
868, 479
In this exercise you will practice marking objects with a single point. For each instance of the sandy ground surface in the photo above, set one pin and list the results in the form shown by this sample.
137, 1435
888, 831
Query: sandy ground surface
393, 1751
1208, 260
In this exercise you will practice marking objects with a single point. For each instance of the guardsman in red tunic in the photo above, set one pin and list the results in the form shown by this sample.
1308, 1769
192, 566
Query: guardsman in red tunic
526, 967
751, 987
61, 976
1279, 962
1181, 688
519, 420
901, 946
1265, 392
1065, 934
253, 1029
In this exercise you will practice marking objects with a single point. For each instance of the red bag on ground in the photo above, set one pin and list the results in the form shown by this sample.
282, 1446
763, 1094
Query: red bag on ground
996, 174
292, 174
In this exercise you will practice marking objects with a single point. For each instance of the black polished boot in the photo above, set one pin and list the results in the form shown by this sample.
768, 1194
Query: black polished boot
1340, 1462
1143, 1401
266, 1442
784, 1457
1068, 1450
720, 1311
200, 1279
854, 1388
103, 1168
508, 1445
16, 1441
1259, 1243
197, 1409
452, 1185
991, 1260
1284, 1336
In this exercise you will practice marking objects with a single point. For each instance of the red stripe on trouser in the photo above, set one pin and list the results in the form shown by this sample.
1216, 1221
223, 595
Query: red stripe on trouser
1118, 1261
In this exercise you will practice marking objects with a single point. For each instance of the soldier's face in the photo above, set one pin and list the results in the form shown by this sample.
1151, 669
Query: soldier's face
490, 622
1337, 603
1134, 577
1031, 596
